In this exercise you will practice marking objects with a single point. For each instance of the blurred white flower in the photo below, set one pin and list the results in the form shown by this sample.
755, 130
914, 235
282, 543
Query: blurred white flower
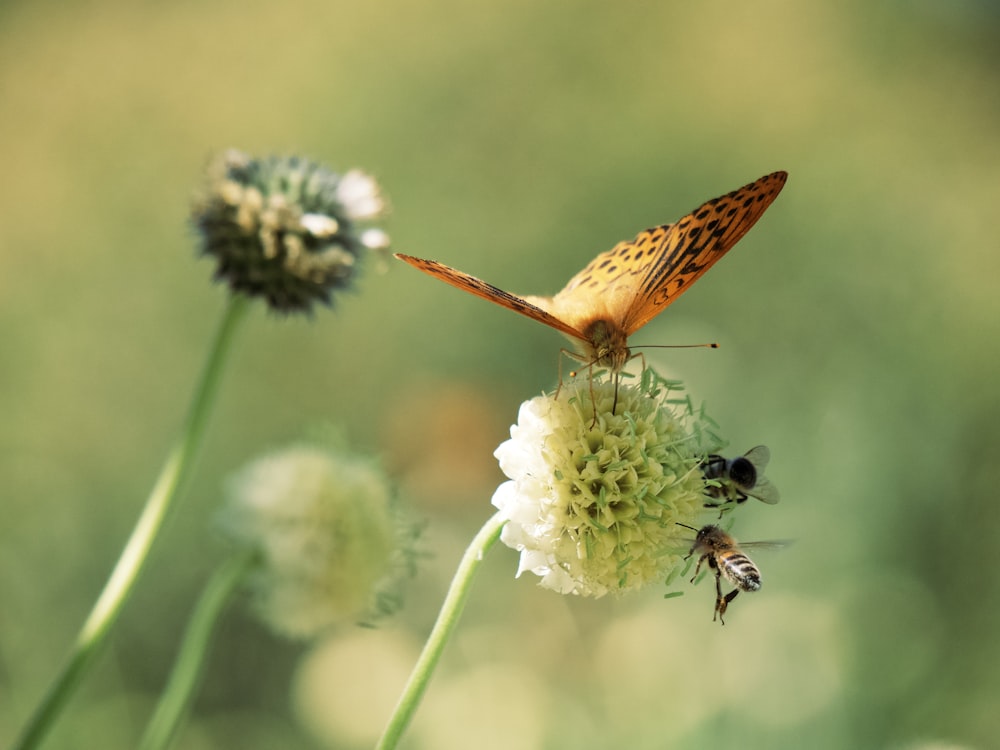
331, 545
375, 239
320, 225
359, 194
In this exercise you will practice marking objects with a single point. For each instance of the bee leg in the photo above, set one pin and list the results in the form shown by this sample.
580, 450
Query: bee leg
720, 608
721, 506
722, 603
697, 568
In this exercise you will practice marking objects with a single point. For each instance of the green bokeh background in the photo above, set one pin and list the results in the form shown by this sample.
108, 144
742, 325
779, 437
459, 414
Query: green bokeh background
859, 326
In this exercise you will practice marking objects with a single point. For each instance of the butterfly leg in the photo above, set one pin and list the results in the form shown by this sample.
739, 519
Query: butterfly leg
571, 355
559, 369
593, 398
616, 379
590, 375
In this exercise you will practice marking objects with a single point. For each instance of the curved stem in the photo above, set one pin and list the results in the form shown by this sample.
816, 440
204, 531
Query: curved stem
180, 690
122, 580
447, 619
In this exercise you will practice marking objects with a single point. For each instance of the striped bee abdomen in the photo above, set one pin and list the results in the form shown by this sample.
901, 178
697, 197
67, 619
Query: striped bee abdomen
739, 570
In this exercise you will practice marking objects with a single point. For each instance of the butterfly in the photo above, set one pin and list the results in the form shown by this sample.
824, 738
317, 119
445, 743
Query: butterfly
624, 288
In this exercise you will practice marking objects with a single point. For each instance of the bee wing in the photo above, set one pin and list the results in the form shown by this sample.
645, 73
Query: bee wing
774, 544
679, 545
765, 491
759, 456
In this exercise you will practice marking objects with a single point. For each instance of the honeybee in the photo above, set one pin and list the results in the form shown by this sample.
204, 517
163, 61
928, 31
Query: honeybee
739, 478
728, 560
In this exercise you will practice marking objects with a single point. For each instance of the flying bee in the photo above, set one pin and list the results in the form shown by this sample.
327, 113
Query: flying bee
739, 478
727, 559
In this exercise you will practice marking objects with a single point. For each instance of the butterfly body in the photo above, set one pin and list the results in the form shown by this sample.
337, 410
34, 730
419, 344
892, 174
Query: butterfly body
624, 288
602, 342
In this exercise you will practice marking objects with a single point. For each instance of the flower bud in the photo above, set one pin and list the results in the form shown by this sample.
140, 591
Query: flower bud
286, 229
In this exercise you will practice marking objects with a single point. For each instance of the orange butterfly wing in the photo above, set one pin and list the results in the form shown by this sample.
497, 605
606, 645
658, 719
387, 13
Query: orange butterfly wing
631, 283
637, 279
489, 292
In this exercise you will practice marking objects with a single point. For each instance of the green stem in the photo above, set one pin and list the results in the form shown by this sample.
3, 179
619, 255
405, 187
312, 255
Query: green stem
179, 693
116, 591
447, 619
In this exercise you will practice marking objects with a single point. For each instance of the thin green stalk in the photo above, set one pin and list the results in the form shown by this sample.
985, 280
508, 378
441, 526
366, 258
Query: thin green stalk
447, 619
116, 591
186, 674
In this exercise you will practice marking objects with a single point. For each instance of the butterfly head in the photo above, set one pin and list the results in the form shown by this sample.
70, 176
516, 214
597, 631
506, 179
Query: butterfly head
608, 345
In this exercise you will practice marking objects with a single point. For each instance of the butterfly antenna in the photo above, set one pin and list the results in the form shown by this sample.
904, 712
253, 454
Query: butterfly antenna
713, 345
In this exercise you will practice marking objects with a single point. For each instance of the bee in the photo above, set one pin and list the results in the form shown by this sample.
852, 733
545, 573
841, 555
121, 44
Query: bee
739, 478
727, 559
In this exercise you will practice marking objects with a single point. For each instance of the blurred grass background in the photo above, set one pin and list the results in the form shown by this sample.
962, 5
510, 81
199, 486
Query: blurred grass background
859, 327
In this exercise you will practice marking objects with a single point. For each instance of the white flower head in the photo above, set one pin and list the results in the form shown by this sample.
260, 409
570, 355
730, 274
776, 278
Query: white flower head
328, 536
593, 504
